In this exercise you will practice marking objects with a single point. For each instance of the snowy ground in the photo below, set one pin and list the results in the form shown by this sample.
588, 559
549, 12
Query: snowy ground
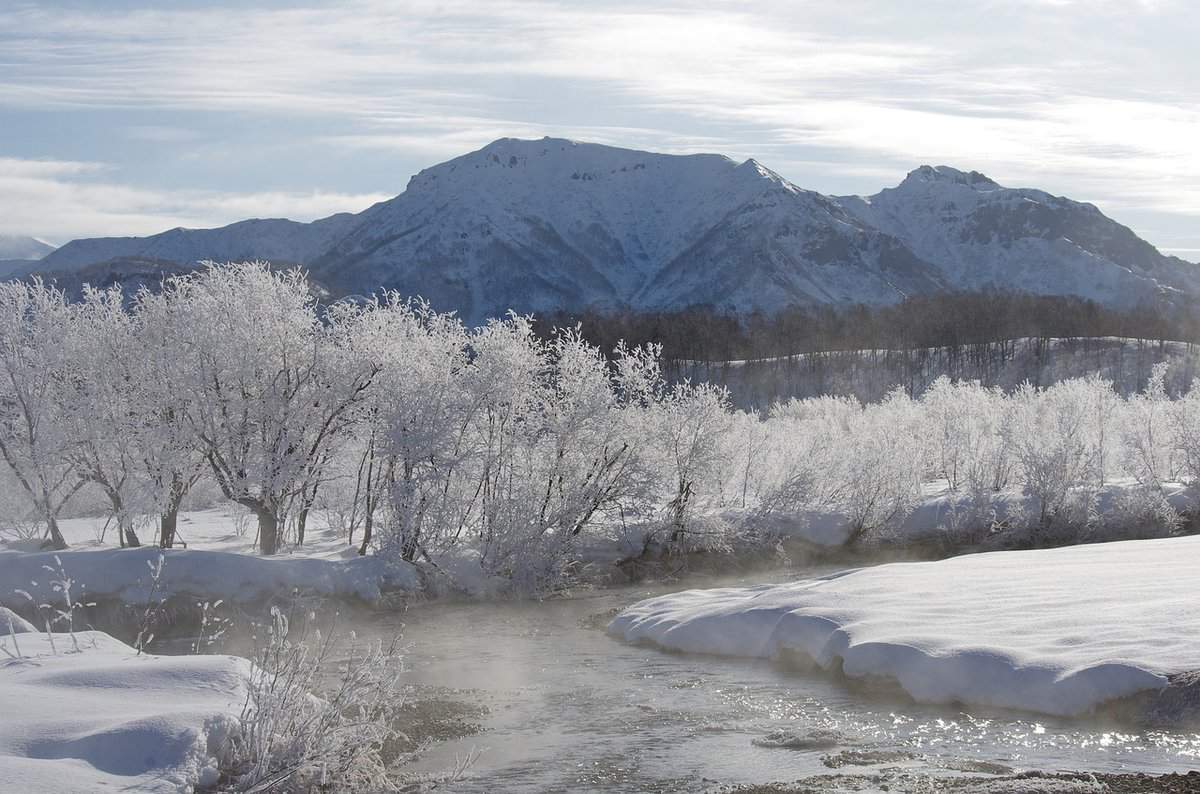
225, 528
219, 563
103, 718
1054, 631
221, 560
942, 513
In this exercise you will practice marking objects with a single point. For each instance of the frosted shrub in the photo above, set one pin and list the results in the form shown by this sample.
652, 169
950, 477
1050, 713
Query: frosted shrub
1048, 437
688, 425
879, 470
1137, 513
498, 441
1148, 444
804, 437
1184, 419
746, 446
292, 740
967, 446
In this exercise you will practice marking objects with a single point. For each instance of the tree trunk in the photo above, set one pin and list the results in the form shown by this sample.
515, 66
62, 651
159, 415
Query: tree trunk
306, 503
168, 522
268, 530
301, 523
56, 538
131, 538
368, 524
408, 549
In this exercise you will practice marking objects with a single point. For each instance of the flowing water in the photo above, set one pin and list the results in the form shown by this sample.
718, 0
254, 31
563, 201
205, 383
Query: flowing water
565, 707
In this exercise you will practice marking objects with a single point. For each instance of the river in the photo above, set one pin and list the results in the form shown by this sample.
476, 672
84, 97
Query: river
549, 702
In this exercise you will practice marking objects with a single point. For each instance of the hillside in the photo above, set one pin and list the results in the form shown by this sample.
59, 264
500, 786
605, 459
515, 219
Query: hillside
552, 224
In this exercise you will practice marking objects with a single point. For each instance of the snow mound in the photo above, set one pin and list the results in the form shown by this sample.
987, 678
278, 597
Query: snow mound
1055, 631
240, 578
104, 718
12, 623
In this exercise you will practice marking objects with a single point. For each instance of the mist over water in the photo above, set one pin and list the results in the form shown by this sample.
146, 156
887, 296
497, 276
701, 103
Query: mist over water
567, 707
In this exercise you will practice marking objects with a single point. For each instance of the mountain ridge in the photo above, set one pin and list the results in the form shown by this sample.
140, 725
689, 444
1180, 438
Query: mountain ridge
552, 224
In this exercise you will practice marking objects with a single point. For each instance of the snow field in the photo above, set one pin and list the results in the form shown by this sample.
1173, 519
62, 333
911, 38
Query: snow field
1056, 631
105, 718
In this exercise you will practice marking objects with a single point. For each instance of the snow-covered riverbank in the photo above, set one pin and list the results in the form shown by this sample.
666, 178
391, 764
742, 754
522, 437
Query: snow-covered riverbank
125, 575
220, 563
1055, 631
87, 713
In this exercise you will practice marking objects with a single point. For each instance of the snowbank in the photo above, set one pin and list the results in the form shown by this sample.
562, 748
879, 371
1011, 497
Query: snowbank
1055, 631
940, 511
206, 575
12, 623
105, 718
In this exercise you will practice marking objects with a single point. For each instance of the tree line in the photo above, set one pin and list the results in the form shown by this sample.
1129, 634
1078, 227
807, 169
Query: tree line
949, 320
416, 436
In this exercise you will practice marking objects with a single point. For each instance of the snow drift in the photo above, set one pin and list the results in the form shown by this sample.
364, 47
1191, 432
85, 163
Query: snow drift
1053, 631
106, 718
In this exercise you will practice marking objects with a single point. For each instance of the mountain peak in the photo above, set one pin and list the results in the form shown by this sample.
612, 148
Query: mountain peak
509, 167
555, 224
944, 174
13, 246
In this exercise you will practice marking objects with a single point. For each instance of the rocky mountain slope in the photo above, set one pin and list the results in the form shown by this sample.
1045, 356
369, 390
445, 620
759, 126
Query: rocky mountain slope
555, 224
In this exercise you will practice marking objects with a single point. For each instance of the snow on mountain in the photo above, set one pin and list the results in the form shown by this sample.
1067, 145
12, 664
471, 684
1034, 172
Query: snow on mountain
541, 225
273, 239
788, 246
982, 235
14, 246
538, 225
549, 224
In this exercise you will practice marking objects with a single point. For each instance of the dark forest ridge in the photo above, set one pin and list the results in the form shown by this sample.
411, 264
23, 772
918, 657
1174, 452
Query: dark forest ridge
555, 225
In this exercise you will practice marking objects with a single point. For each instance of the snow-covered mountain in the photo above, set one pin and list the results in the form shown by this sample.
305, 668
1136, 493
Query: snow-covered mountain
19, 254
274, 239
981, 235
541, 225
16, 246
555, 224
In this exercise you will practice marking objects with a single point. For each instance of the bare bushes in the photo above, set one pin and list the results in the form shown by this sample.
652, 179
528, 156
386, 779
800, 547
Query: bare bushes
290, 739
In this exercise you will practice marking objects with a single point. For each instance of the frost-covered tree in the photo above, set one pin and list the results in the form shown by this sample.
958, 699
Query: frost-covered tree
879, 466
688, 425
1185, 432
964, 432
801, 459
101, 405
416, 422
1148, 443
1048, 435
35, 371
268, 393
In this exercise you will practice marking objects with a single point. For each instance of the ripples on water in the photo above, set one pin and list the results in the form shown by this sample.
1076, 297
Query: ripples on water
571, 708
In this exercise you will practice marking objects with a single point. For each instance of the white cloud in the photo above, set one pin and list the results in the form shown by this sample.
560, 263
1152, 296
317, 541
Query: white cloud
1096, 100
48, 199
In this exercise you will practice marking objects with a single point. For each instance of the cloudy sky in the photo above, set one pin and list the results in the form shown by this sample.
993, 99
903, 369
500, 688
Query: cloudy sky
121, 117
